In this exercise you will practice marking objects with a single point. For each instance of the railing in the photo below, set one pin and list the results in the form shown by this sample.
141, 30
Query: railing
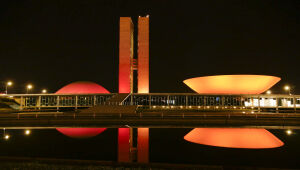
160, 101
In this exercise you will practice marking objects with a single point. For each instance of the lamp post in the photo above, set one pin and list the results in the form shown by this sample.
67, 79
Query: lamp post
9, 83
28, 87
288, 89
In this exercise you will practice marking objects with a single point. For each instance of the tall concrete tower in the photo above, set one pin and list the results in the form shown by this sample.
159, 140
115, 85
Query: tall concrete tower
126, 55
143, 54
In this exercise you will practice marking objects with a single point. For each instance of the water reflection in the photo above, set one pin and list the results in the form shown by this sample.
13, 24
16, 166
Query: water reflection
234, 138
81, 132
162, 145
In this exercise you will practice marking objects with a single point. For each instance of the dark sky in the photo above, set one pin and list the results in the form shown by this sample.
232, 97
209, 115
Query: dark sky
51, 43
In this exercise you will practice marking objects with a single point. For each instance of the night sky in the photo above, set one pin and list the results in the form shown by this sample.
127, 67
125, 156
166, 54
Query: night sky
51, 43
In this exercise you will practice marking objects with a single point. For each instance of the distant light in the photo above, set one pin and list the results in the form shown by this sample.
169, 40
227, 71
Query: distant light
147, 16
208, 107
286, 87
9, 83
244, 112
6, 137
217, 107
269, 92
252, 111
289, 132
44, 91
29, 86
27, 132
234, 107
190, 106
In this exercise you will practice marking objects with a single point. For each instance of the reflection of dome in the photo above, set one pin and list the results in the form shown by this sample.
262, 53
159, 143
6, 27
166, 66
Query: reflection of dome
234, 138
232, 84
81, 132
81, 87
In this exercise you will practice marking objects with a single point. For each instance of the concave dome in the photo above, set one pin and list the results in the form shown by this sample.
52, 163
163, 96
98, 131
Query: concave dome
234, 138
81, 87
231, 84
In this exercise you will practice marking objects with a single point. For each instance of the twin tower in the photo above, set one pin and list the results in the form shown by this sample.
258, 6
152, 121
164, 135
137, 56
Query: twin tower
127, 63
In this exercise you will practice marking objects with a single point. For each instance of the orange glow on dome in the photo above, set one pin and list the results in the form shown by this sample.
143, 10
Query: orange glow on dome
82, 87
232, 84
81, 132
234, 138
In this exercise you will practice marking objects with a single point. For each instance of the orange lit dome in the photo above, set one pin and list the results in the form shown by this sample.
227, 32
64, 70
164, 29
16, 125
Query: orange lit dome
81, 87
232, 84
234, 138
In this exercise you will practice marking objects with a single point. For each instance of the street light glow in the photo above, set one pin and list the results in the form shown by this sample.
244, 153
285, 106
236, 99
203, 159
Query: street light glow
286, 87
9, 83
6, 137
27, 132
44, 91
269, 92
289, 132
29, 86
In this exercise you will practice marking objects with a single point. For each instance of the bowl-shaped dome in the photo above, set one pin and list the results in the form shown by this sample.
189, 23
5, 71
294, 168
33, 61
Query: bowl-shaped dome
231, 84
82, 87
234, 138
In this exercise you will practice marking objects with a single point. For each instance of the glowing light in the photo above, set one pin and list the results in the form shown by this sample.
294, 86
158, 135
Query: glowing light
27, 132
29, 86
286, 87
289, 132
9, 83
269, 92
44, 91
234, 138
231, 84
6, 137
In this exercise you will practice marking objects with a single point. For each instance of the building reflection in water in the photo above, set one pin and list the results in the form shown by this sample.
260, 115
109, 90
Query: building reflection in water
249, 138
81, 132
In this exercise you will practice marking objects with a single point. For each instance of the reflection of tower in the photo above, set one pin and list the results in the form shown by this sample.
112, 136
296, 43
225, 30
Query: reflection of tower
127, 64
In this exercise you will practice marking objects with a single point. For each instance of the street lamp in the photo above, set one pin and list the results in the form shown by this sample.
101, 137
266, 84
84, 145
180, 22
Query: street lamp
44, 91
269, 92
288, 89
6, 137
289, 132
9, 83
29, 87
27, 132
